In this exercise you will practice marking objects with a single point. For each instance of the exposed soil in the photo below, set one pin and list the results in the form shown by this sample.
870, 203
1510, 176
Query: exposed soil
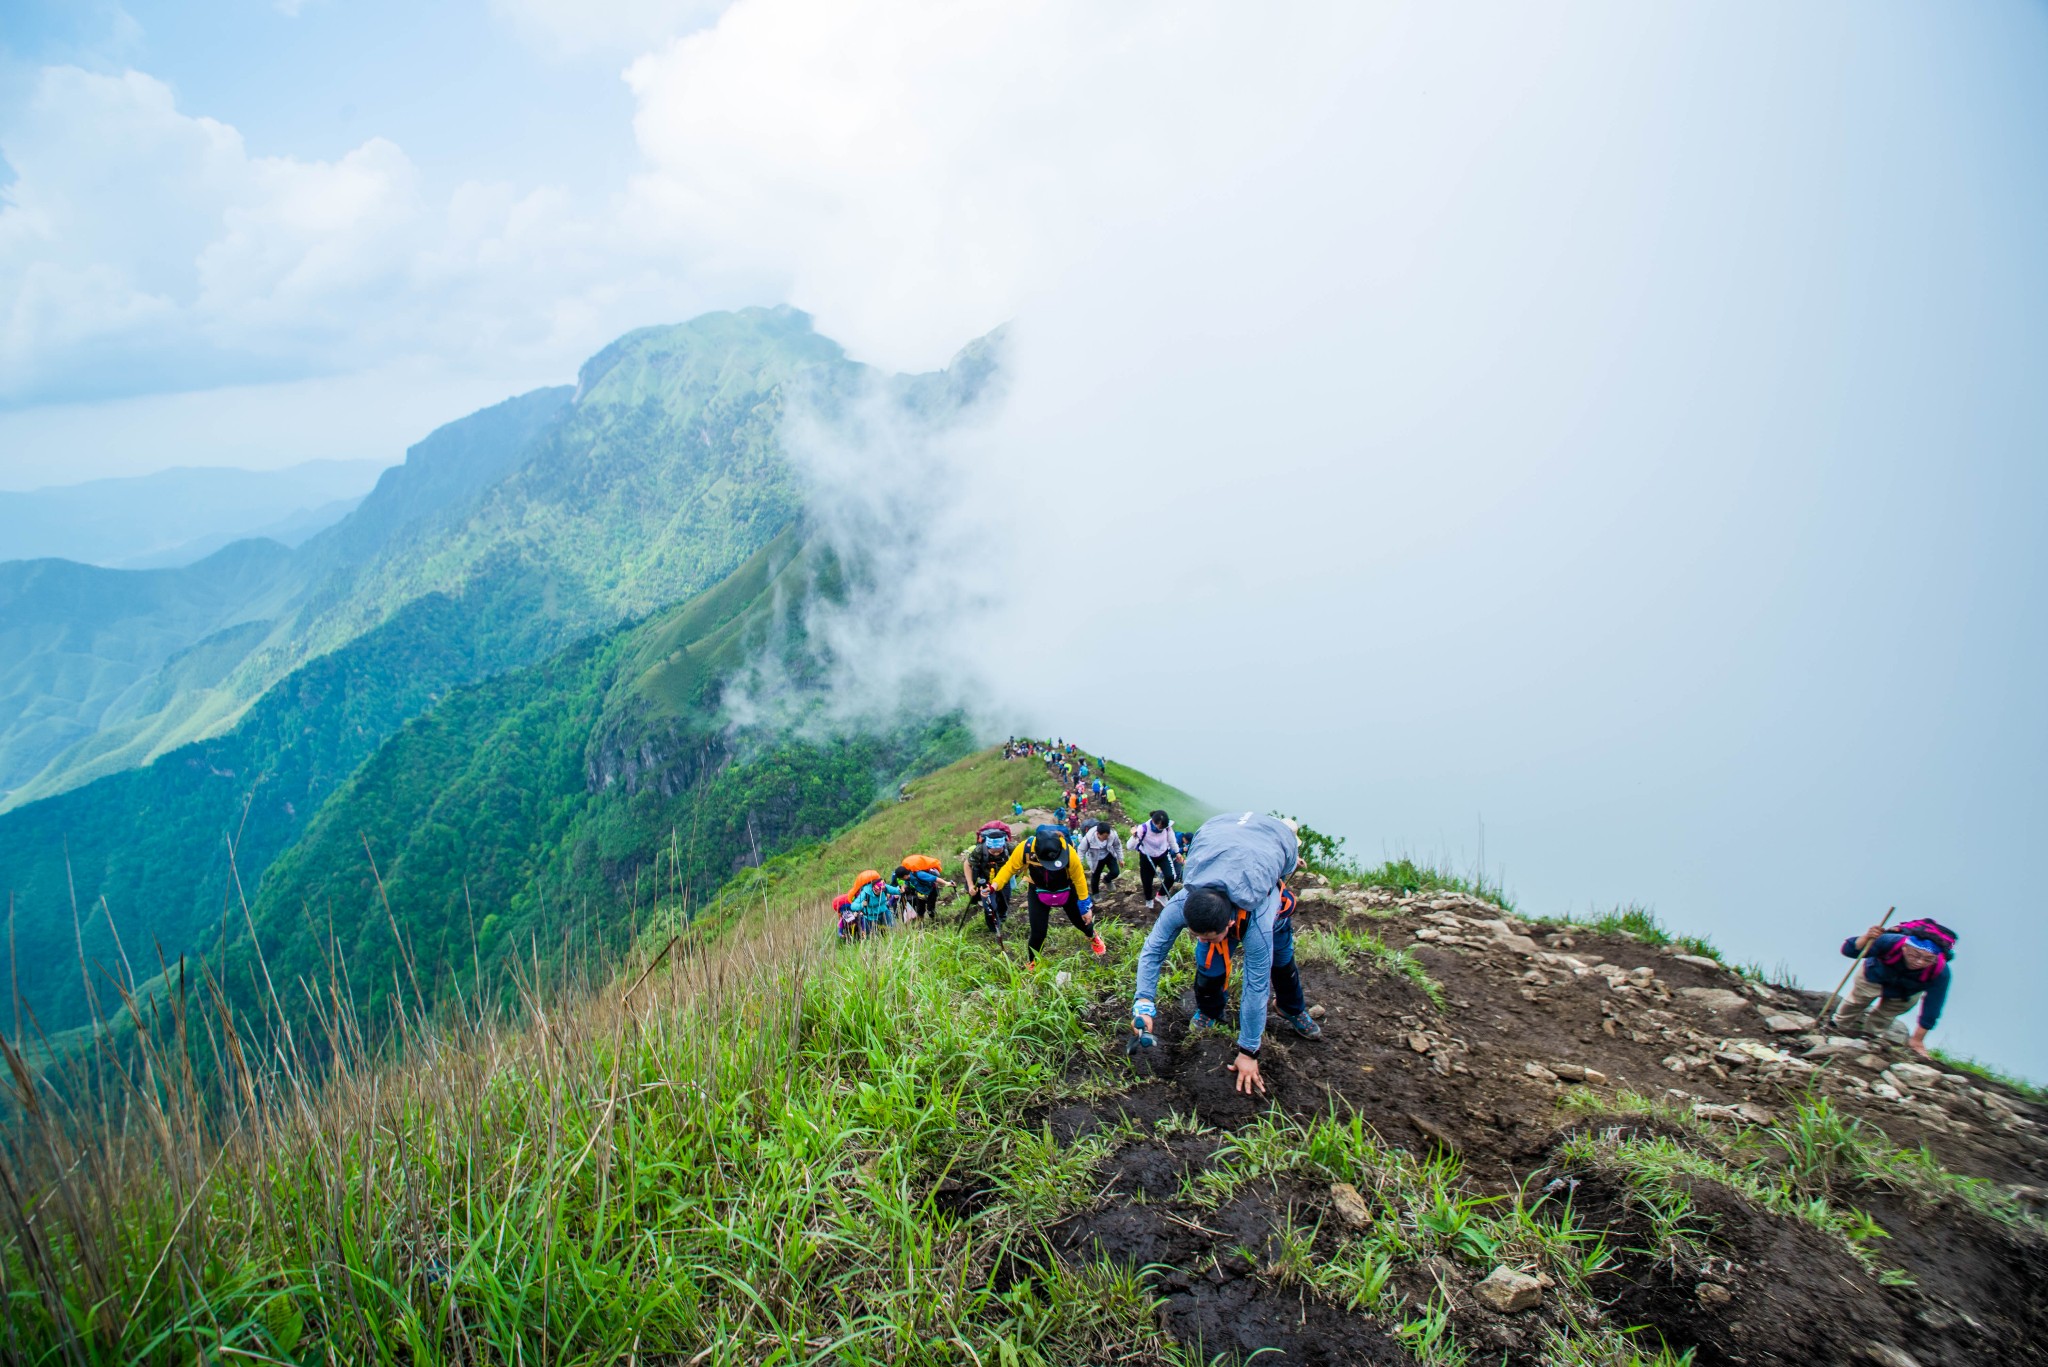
1517, 995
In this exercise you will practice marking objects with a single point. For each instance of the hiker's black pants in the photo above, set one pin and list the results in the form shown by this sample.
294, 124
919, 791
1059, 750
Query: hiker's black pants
1103, 874
1041, 918
1164, 867
1212, 974
923, 903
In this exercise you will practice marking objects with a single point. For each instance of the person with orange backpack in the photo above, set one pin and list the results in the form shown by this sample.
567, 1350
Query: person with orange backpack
1236, 899
873, 900
1057, 880
850, 927
918, 877
1908, 963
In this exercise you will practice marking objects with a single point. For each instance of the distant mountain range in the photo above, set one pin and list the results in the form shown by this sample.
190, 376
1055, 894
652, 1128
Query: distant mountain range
502, 670
175, 517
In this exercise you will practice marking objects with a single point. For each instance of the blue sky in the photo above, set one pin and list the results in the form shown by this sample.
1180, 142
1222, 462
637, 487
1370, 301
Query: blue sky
1620, 425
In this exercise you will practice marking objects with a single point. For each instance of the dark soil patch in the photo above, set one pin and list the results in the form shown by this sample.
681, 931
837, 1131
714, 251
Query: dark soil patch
1426, 1077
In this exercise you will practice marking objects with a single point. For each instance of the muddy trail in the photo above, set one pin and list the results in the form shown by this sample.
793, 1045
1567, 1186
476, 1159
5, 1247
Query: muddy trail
1630, 1091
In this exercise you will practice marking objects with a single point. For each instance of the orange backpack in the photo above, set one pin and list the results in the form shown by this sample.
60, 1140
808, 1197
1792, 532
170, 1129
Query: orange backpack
921, 863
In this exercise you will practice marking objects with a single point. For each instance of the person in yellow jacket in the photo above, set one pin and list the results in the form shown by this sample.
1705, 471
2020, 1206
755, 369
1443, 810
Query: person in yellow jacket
1057, 880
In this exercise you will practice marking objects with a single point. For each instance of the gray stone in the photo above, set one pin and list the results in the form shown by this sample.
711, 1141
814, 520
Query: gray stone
1915, 1075
1884, 1355
1539, 1072
1787, 1023
1350, 1206
1509, 1291
1717, 999
1712, 1295
1700, 961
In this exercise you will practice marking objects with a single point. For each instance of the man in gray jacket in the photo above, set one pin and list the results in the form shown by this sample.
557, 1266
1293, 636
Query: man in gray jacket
1235, 898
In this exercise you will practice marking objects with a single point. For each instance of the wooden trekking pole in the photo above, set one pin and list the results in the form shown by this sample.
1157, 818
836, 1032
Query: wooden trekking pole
1828, 1011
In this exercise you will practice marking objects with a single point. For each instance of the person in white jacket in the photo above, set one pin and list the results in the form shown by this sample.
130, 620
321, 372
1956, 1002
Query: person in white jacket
1158, 850
1102, 850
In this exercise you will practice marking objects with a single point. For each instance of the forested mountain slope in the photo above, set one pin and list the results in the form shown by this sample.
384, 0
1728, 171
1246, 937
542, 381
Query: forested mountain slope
665, 475
103, 668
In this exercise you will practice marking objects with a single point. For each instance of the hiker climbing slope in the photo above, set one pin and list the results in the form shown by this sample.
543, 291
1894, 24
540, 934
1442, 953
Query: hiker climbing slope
991, 849
919, 877
1102, 854
1235, 899
1057, 880
1157, 850
1908, 963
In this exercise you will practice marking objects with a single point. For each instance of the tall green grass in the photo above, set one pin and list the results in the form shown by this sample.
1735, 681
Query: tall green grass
742, 1144
742, 1156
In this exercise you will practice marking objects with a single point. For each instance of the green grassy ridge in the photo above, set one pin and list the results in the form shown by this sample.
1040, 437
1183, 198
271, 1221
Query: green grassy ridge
506, 819
748, 1167
750, 1147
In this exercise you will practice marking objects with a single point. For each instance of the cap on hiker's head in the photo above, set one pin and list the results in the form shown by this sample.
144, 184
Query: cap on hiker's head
993, 836
1924, 946
1207, 909
1049, 850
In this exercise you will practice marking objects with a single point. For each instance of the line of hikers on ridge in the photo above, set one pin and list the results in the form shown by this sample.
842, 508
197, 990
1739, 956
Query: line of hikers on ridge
1226, 886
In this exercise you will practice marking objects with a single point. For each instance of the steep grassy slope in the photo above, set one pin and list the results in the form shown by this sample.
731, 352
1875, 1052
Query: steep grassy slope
570, 797
753, 1146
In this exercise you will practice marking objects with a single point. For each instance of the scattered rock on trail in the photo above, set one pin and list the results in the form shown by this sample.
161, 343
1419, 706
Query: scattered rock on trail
1718, 999
1788, 1023
1476, 1067
1350, 1206
1884, 1355
1509, 1291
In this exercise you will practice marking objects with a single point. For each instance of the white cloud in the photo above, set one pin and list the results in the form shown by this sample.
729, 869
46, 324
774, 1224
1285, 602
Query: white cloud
914, 173
580, 27
143, 248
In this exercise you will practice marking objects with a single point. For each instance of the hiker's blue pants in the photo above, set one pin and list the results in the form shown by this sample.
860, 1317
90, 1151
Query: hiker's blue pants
1212, 974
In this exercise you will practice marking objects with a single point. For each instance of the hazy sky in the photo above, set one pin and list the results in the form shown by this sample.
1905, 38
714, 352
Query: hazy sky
1619, 424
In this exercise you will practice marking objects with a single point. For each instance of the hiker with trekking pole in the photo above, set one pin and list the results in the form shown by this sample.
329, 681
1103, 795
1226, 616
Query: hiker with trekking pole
1895, 968
991, 849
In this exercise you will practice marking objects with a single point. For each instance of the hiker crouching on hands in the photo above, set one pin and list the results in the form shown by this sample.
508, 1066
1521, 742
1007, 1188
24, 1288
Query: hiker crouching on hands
1234, 900
1900, 965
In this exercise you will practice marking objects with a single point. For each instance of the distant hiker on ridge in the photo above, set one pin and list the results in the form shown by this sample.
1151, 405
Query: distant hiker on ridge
1906, 963
1236, 896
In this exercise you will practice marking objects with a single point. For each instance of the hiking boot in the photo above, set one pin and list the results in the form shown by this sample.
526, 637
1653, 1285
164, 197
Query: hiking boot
1096, 947
1202, 1020
1306, 1026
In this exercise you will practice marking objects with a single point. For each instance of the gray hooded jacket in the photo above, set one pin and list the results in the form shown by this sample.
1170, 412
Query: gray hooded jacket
1247, 855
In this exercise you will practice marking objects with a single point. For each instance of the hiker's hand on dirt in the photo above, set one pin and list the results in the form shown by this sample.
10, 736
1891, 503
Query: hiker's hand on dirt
1247, 1069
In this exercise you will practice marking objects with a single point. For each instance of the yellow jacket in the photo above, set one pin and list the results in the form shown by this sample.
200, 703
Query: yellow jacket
1073, 875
